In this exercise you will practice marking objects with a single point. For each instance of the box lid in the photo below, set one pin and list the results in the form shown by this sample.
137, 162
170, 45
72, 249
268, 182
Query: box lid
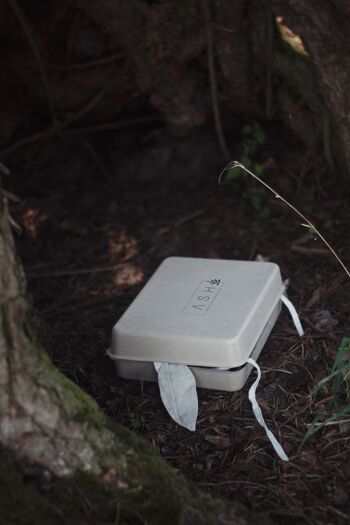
204, 312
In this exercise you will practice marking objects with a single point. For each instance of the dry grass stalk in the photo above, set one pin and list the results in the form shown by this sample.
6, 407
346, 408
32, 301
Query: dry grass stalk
213, 80
306, 223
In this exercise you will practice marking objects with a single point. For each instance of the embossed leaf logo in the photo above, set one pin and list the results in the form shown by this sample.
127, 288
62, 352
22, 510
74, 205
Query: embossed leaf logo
216, 282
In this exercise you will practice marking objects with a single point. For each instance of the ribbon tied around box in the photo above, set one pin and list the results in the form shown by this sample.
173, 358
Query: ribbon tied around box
178, 392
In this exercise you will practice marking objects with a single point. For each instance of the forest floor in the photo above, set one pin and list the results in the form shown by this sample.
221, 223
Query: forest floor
100, 213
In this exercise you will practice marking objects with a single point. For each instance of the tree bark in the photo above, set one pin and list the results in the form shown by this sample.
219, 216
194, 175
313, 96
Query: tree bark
163, 59
53, 430
323, 26
243, 61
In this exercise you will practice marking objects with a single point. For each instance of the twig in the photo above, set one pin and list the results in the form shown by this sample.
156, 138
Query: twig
55, 129
181, 221
100, 165
309, 251
111, 126
14, 224
37, 56
10, 196
87, 65
189, 217
270, 29
4, 170
91, 103
213, 81
328, 423
307, 223
79, 305
107, 126
81, 271
29, 140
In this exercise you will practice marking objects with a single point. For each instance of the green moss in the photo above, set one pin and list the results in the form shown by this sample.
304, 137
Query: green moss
78, 405
141, 488
146, 490
152, 493
135, 501
159, 500
84, 495
75, 401
21, 504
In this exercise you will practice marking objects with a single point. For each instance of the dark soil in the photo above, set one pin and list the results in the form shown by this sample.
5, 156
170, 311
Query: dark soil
99, 214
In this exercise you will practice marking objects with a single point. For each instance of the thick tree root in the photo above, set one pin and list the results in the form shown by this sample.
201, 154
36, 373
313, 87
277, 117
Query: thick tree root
82, 462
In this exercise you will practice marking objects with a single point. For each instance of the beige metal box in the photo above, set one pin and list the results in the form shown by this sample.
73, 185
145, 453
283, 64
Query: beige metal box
204, 313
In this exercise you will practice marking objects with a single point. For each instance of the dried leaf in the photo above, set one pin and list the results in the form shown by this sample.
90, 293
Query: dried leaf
177, 387
324, 321
220, 442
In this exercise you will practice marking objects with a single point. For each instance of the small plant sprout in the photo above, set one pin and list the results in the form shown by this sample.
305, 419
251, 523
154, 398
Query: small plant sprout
340, 373
306, 223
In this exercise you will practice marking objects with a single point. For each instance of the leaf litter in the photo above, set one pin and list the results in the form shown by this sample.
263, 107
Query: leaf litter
126, 227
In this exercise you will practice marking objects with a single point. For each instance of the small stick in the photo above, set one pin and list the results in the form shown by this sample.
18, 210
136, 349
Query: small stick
309, 251
86, 65
79, 271
307, 223
10, 196
59, 128
37, 56
4, 170
213, 81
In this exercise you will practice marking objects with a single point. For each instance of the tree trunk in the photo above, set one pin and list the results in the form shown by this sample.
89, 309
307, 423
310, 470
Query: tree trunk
323, 26
54, 431
245, 62
165, 54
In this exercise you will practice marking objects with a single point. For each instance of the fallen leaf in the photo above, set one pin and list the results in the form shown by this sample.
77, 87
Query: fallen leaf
177, 387
324, 321
220, 442
309, 456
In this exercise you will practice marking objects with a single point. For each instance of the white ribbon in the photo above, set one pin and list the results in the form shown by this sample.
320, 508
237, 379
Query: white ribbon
293, 314
258, 414
251, 395
178, 390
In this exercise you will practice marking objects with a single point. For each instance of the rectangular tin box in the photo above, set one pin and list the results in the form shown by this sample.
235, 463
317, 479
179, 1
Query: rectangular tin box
205, 313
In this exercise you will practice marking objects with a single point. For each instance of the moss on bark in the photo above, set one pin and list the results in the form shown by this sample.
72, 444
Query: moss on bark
20, 503
161, 497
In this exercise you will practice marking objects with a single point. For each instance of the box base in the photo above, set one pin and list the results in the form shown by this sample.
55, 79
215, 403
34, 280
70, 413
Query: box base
229, 380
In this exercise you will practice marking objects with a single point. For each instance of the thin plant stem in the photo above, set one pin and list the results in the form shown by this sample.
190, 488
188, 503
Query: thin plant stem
37, 55
4, 170
307, 223
60, 127
213, 81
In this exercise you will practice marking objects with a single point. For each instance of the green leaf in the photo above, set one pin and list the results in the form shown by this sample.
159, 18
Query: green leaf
234, 173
